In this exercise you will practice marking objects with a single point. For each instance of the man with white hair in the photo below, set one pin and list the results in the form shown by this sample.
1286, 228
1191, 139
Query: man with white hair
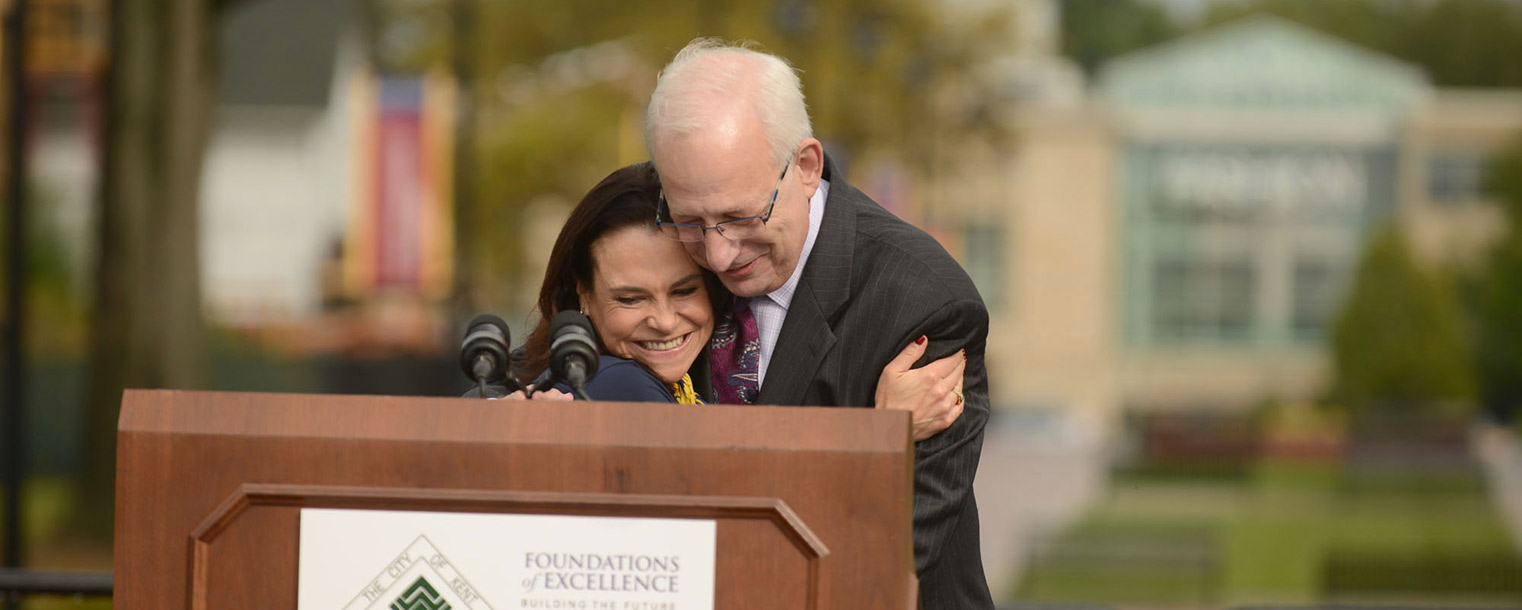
831, 286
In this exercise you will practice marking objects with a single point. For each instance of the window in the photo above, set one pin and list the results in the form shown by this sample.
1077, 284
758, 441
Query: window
984, 260
1203, 300
1455, 177
1245, 247
1315, 290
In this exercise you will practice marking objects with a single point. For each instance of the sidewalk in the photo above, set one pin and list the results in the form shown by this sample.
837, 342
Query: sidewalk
1038, 474
1500, 453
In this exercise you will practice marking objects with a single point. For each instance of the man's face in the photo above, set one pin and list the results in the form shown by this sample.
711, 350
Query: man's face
725, 174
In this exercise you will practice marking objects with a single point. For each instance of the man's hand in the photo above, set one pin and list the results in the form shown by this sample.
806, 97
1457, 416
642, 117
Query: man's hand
932, 393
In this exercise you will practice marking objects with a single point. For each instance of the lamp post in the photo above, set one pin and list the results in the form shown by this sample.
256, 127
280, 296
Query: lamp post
14, 420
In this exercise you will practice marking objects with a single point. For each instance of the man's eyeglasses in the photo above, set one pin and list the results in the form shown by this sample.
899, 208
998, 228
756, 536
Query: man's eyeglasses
735, 230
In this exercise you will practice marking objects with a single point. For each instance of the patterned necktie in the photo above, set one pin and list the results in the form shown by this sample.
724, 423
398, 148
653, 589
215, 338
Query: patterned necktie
735, 352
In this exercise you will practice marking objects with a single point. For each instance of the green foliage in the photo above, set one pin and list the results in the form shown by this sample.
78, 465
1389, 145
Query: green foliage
1459, 43
1466, 43
55, 323
1373, 24
1096, 30
1499, 350
44, 503
1499, 343
557, 92
864, 64
1398, 343
1504, 181
49, 543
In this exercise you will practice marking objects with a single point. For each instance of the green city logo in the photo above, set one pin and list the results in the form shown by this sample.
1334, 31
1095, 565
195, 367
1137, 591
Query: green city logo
420, 596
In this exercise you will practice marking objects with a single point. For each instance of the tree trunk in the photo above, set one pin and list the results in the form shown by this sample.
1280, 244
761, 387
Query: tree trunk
148, 330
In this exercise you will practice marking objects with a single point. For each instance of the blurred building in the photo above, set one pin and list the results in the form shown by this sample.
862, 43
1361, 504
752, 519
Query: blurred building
275, 178
66, 60
326, 181
327, 191
1182, 236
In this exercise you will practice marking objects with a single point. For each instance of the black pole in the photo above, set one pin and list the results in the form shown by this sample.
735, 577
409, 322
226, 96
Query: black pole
15, 451
91, 584
463, 56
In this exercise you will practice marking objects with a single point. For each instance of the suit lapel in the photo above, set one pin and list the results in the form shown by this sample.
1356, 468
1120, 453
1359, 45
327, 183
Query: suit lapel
806, 335
805, 339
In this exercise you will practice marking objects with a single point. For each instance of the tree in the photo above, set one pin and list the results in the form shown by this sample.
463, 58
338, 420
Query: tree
1094, 31
1503, 179
1398, 342
1372, 24
1499, 349
147, 325
551, 120
1459, 43
1466, 43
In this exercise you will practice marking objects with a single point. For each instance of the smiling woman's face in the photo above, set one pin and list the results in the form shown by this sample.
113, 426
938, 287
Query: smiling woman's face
648, 301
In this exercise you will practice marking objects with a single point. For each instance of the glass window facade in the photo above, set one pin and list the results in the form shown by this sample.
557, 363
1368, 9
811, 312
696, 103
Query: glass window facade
1240, 245
1455, 177
984, 259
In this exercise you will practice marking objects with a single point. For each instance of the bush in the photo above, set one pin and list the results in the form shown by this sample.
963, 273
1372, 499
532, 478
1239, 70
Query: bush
1398, 343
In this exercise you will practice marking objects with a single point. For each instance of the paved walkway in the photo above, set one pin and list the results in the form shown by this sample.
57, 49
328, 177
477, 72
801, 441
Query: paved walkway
1500, 453
1037, 475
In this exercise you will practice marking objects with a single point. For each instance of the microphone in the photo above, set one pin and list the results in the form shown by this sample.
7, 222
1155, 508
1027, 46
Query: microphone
483, 353
573, 351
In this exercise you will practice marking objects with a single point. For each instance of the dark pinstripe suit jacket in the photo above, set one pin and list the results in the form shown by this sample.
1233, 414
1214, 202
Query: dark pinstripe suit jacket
872, 284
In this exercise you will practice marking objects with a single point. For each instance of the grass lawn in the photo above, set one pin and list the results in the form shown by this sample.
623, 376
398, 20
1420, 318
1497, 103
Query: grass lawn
1288, 533
46, 502
45, 505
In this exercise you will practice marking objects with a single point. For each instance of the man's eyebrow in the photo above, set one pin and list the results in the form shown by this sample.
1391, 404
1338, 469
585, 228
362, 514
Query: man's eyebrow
723, 214
735, 212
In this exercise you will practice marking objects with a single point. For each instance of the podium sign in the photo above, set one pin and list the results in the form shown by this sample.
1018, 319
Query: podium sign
365, 559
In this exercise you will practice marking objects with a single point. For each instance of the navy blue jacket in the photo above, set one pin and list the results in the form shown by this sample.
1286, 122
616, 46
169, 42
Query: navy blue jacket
623, 380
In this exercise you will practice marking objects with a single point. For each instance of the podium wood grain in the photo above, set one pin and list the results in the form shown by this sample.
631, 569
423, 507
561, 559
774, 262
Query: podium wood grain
813, 505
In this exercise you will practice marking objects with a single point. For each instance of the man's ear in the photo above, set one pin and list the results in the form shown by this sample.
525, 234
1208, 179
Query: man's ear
810, 162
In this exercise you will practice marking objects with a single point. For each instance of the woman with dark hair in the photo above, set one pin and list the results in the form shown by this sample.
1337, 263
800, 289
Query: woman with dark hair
653, 310
651, 305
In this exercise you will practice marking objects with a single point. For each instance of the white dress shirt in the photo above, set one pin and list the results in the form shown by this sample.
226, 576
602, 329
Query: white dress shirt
771, 309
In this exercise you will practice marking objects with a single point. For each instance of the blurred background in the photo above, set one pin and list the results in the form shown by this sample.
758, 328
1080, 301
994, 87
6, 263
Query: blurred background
1253, 267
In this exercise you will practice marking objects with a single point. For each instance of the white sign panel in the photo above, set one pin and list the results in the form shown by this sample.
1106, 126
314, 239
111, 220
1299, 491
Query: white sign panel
1225, 178
392, 560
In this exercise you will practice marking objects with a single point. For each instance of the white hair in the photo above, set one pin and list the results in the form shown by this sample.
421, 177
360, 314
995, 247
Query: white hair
686, 87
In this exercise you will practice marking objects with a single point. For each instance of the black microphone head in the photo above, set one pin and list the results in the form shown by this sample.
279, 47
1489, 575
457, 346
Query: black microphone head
570, 317
488, 319
572, 339
487, 336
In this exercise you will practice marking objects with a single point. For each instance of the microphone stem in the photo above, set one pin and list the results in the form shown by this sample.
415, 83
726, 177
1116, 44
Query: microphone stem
576, 377
481, 383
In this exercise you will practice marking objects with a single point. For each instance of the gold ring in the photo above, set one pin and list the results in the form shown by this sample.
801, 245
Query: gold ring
959, 396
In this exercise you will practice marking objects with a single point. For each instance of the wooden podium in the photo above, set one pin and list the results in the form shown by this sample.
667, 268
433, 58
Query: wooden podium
813, 505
